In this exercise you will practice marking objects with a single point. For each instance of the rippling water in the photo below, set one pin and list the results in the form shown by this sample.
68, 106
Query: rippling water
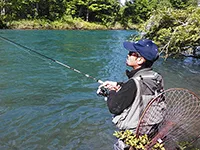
46, 106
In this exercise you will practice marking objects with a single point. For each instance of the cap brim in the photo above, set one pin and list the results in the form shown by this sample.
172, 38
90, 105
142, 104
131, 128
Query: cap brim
129, 46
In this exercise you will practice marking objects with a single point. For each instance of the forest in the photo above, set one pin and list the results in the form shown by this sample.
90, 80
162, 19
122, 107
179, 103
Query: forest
172, 24
108, 13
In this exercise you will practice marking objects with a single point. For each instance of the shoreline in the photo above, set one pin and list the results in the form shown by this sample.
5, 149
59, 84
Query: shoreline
62, 25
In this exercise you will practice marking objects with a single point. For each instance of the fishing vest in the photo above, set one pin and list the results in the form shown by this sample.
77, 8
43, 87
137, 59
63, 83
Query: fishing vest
149, 84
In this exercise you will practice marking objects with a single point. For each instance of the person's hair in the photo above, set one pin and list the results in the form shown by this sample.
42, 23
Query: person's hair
147, 64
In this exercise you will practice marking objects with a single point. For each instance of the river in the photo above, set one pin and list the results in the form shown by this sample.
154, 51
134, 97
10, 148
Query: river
45, 106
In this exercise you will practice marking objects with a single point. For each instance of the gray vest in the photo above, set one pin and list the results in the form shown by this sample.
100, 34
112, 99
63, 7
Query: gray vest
149, 84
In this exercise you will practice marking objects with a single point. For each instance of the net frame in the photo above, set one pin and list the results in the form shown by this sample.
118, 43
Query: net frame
178, 110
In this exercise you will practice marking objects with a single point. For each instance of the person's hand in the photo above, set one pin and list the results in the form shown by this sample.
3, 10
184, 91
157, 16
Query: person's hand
107, 86
110, 85
102, 91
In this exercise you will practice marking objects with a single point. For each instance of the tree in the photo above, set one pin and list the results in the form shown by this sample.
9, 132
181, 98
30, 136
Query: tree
18, 9
51, 9
29, 9
174, 30
182, 4
138, 11
105, 11
94, 10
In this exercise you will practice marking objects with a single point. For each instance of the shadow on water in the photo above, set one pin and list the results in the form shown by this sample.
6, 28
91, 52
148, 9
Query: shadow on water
46, 106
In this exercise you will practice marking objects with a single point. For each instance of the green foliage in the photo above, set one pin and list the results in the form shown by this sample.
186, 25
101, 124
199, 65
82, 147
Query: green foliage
174, 30
64, 23
101, 11
30, 9
182, 4
140, 142
137, 143
104, 12
186, 145
138, 10
29, 24
162, 4
172, 24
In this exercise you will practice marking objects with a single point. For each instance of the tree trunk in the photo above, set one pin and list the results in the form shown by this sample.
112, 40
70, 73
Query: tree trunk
37, 9
87, 15
80, 11
3, 11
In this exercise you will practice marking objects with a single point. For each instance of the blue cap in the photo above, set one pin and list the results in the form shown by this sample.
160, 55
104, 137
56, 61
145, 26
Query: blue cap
146, 48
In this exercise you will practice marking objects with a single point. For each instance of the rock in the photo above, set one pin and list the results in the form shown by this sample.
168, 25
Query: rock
196, 52
192, 52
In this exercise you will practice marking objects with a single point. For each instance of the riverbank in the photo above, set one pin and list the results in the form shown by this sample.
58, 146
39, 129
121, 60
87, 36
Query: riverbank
79, 24
76, 24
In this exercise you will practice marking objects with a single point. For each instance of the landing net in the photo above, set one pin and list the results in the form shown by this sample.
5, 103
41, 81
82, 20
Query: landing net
176, 113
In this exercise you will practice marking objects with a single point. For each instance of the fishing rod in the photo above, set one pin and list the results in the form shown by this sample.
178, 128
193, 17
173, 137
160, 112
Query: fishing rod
53, 60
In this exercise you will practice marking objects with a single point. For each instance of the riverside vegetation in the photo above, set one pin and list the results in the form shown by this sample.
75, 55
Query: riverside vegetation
141, 142
172, 24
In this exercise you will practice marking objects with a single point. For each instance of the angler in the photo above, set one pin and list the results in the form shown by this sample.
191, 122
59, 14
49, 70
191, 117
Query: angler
127, 100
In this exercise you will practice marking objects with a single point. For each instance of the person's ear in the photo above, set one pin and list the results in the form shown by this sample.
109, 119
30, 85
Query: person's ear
140, 60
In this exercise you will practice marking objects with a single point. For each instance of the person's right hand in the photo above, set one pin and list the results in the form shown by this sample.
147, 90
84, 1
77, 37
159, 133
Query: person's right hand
111, 85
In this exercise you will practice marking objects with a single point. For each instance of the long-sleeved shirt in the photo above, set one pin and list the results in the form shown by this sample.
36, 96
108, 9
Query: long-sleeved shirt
118, 101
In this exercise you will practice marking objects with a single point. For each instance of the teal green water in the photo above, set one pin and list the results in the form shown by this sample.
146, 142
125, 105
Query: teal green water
46, 106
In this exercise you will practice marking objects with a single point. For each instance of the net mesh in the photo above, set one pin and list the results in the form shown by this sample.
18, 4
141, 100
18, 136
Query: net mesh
174, 117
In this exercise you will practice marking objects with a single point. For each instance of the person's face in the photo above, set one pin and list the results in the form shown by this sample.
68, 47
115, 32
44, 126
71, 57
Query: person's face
134, 60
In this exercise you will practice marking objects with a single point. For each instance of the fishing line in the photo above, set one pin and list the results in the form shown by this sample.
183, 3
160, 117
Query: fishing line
49, 58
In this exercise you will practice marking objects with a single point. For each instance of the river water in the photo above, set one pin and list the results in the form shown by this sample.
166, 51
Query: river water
45, 106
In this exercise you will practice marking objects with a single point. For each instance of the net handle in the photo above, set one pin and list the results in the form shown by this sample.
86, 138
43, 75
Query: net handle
162, 133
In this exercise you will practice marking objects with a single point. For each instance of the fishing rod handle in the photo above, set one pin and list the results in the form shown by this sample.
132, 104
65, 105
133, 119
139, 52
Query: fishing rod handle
99, 81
